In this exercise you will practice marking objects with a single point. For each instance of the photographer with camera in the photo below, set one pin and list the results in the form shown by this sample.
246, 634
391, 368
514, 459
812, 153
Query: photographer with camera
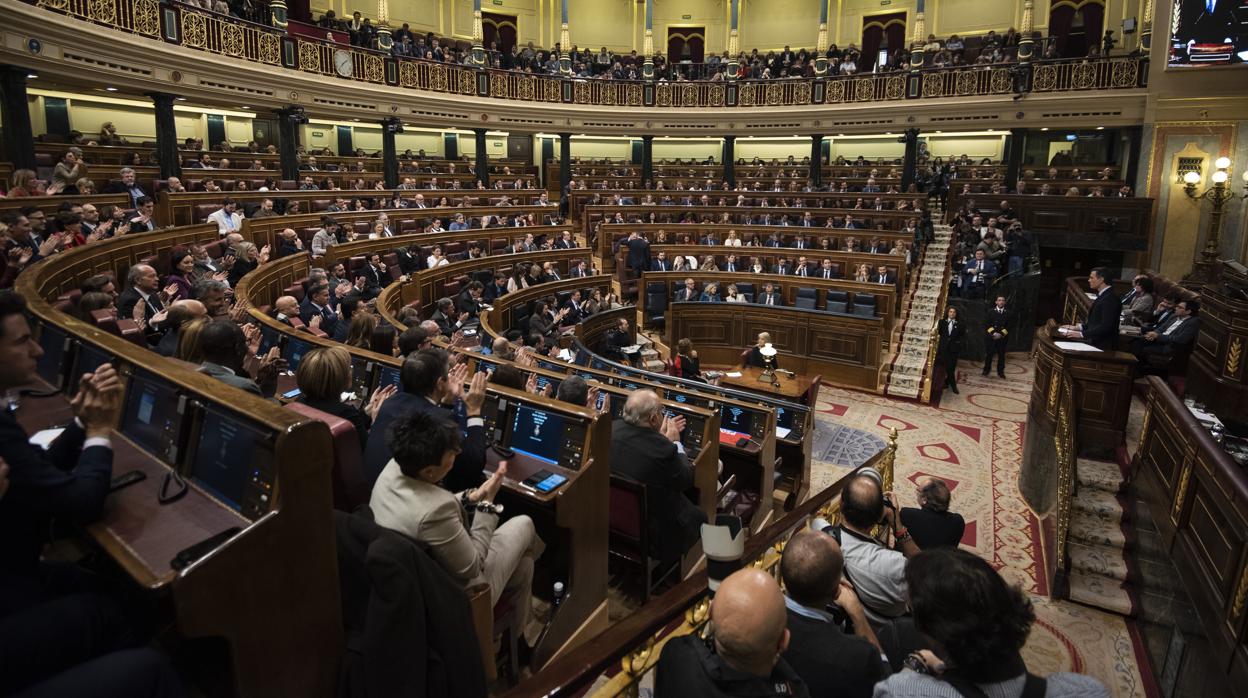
877, 571
831, 643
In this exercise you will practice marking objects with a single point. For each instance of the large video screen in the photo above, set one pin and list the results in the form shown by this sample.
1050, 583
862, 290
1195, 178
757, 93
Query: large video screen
1209, 32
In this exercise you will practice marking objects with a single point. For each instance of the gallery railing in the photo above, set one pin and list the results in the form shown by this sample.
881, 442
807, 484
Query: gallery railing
194, 28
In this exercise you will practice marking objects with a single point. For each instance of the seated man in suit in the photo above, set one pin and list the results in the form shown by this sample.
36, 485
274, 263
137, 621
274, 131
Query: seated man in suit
408, 498
225, 350
661, 263
317, 304
932, 524
646, 447
821, 650
447, 318
770, 296
375, 276
827, 271
689, 293
470, 299
497, 289
883, 276
1175, 334
143, 287
426, 385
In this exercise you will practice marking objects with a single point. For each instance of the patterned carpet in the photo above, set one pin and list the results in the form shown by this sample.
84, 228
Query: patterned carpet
974, 442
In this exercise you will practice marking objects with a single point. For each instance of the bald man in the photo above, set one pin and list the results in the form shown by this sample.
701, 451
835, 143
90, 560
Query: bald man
179, 313
284, 308
831, 661
646, 447
744, 659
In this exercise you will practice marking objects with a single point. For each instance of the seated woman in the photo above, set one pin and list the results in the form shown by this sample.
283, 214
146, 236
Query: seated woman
710, 294
181, 272
1139, 309
246, 260
685, 362
734, 296
755, 355
407, 498
324, 374
863, 273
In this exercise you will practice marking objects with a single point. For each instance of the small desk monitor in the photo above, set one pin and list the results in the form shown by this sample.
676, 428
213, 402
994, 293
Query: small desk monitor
360, 371
233, 460
269, 338
736, 418
55, 344
295, 349
86, 360
154, 416
536, 433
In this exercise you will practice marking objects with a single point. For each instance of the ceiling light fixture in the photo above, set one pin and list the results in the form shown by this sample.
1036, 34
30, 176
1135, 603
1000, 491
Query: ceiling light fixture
32, 76
111, 89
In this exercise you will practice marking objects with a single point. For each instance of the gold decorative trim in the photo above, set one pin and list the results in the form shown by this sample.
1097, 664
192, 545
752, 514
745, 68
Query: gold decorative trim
1241, 594
1181, 494
1233, 356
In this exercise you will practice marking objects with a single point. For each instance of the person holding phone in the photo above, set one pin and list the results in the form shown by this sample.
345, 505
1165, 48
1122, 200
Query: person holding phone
461, 529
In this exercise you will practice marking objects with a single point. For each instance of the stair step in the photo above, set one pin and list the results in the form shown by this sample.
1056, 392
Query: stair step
1101, 475
1099, 503
1101, 592
1097, 560
1092, 529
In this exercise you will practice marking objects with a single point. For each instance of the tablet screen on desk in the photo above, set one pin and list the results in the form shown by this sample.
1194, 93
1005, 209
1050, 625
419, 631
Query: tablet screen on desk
51, 366
536, 433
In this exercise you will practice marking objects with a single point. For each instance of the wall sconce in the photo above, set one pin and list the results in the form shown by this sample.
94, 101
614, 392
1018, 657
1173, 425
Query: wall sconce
1205, 269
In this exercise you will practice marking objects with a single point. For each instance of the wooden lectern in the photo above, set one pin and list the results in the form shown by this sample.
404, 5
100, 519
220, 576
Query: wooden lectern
1100, 384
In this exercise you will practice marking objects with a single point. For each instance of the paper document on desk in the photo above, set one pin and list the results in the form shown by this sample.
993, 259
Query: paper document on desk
44, 438
1075, 346
733, 374
782, 433
565, 354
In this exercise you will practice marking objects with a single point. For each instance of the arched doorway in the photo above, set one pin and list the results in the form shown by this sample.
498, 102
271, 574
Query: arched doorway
1078, 26
881, 32
686, 44
498, 28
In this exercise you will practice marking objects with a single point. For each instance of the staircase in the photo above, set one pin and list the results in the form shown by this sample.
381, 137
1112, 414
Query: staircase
905, 371
1098, 543
650, 358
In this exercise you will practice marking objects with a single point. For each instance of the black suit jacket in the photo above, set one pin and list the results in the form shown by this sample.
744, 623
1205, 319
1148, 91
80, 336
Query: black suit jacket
638, 253
66, 483
393, 597
833, 664
468, 464
674, 523
1182, 336
1101, 328
951, 341
932, 529
329, 319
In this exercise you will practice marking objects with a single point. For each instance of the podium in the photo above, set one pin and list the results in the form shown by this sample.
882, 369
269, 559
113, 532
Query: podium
1099, 384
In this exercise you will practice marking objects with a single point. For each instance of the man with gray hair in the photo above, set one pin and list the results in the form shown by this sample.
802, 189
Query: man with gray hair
646, 447
932, 524
127, 185
211, 293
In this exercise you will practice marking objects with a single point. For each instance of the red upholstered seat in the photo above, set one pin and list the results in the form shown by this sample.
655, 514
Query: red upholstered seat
349, 485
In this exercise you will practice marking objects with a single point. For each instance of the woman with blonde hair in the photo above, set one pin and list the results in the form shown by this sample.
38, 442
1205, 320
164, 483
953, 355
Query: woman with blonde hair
863, 273
360, 332
245, 261
324, 374
755, 356
188, 341
26, 183
732, 240
734, 296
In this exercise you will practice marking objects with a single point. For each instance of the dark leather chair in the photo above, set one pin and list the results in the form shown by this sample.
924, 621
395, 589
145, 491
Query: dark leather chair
864, 304
806, 298
837, 302
350, 487
629, 538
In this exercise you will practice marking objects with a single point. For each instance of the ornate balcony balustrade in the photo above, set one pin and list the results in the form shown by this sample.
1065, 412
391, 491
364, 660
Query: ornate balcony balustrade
194, 28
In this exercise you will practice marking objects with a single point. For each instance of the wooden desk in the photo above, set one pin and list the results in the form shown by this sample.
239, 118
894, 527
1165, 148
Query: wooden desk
572, 521
791, 388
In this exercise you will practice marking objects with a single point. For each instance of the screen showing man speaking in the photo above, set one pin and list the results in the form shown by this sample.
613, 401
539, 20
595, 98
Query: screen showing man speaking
1209, 32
